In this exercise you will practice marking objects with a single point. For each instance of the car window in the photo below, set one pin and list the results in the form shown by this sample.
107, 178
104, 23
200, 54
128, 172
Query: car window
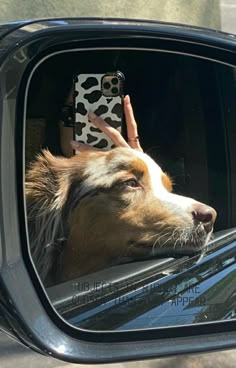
185, 125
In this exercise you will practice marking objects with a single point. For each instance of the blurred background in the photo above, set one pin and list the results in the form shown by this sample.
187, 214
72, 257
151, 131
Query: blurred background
216, 14
198, 12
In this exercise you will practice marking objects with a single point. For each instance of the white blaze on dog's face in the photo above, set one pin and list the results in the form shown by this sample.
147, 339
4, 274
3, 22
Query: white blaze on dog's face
122, 206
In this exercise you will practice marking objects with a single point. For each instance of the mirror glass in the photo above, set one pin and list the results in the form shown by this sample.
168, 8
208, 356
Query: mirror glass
123, 239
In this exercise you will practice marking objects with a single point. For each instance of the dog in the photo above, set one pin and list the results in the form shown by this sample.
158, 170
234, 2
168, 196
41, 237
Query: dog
101, 208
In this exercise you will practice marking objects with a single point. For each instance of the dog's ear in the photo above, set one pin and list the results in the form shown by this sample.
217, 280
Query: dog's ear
42, 178
46, 190
54, 186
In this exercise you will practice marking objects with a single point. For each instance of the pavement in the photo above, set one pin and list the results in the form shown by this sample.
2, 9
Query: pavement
219, 14
202, 12
228, 15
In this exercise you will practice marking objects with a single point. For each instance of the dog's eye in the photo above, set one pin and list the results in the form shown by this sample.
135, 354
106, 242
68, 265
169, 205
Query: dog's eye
132, 183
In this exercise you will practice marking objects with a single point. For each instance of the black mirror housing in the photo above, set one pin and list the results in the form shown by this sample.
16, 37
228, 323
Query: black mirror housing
27, 313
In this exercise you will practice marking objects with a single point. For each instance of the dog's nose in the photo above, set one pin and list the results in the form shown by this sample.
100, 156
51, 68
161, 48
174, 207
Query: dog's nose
204, 214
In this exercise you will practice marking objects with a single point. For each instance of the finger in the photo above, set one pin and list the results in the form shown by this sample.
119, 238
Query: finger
111, 132
132, 129
82, 146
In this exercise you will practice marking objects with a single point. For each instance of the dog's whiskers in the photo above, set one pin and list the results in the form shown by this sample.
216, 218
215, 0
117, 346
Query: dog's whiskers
171, 236
157, 241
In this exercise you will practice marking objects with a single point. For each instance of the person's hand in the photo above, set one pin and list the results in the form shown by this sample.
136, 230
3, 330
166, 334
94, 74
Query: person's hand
119, 141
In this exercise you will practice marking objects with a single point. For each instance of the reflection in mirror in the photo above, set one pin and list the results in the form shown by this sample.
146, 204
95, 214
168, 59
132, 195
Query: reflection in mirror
123, 239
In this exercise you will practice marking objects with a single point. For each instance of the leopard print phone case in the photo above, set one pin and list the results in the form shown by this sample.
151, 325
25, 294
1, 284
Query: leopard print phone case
103, 95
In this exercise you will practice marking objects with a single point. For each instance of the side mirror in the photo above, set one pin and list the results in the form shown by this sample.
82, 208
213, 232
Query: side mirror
103, 303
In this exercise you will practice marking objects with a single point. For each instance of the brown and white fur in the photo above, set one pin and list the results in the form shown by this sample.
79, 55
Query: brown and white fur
101, 208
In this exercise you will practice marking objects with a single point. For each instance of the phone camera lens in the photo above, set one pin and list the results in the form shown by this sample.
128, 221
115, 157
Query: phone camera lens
115, 90
106, 85
114, 81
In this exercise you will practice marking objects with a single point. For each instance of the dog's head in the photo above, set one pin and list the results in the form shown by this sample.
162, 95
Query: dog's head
101, 208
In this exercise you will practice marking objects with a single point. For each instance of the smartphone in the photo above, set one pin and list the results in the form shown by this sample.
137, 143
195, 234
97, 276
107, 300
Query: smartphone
102, 94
